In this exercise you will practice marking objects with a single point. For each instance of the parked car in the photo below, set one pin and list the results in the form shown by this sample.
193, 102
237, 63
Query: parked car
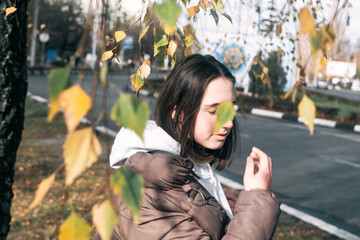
322, 83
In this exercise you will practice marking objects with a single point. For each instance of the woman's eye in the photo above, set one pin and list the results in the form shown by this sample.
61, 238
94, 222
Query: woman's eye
212, 112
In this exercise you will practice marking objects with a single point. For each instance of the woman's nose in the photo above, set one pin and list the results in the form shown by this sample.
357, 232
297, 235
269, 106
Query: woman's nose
229, 124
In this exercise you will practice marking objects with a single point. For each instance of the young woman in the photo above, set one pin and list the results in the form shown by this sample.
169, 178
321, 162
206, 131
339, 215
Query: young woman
178, 157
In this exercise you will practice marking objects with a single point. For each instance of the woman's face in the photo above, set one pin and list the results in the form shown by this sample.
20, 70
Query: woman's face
218, 90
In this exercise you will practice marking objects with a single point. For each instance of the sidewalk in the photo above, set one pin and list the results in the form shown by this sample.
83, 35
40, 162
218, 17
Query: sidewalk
40, 153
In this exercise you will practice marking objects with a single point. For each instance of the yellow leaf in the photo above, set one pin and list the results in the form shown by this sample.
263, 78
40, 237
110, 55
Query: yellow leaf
323, 62
147, 62
42, 26
10, 10
75, 102
192, 11
187, 52
106, 55
119, 35
217, 5
188, 30
107, 40
144, 70
172, 47
144, 32
168, 29
262, 77
278, 29
137, 81
307, 112
74, 228
42, 190
54, 108
204, 4
306, 21
104, 218
29, 25
81, 150
265, 70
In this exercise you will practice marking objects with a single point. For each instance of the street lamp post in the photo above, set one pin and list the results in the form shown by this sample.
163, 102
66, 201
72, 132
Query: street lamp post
44, 38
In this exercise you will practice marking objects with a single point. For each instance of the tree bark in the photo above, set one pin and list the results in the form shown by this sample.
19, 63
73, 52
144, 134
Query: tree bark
13, 89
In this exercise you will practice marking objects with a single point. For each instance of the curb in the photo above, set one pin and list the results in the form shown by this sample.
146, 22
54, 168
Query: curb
294, 118
282, 116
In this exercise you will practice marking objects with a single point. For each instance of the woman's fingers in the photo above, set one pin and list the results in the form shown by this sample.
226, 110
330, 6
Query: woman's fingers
264, 159
258, 172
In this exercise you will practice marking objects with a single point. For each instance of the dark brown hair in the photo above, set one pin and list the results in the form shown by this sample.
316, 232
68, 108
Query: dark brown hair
183, 91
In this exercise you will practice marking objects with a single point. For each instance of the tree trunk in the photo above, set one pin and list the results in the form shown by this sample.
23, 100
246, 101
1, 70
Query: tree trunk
13, 89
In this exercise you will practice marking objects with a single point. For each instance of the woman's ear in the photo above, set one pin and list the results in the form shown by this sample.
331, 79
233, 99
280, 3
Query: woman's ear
180, 116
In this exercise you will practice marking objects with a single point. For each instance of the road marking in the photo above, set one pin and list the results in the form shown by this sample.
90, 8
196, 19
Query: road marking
357, 128
341, 161
37, 98
292, 211
230, 183
355, 137
266, 113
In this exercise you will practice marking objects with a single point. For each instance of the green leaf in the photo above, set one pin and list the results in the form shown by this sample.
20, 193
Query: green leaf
74, 228
130, 187
215, 16
225, 112
293, 97
315, 41
131, 112
189, 40
104, 218
227, 16
185, 2
136, 81
160, 42
168, 12
103, 74
307, 111
182, 36
59, 80
173, 61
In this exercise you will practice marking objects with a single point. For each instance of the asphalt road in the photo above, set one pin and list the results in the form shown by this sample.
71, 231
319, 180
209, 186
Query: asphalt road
318, 174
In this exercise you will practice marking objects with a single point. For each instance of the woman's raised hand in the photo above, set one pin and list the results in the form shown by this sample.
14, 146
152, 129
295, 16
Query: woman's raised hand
258, 171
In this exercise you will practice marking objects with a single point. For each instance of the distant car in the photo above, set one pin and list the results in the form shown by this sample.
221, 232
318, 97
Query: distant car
323, 84
355, 86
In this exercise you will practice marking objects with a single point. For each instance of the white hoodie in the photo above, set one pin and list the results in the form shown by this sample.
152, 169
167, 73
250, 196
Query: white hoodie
128, 143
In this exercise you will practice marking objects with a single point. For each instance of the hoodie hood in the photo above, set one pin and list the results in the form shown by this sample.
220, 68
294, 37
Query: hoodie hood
127, 143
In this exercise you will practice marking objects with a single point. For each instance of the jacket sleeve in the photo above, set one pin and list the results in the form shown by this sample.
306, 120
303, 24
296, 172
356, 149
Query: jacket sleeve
256, 215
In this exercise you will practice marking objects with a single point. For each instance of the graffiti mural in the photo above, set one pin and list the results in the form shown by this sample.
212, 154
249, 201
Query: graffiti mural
233, 56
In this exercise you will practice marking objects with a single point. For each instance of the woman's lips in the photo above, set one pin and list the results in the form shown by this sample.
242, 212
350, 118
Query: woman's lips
221, 137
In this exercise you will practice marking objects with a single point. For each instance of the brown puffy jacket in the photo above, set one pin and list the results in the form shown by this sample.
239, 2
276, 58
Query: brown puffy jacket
176, 206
